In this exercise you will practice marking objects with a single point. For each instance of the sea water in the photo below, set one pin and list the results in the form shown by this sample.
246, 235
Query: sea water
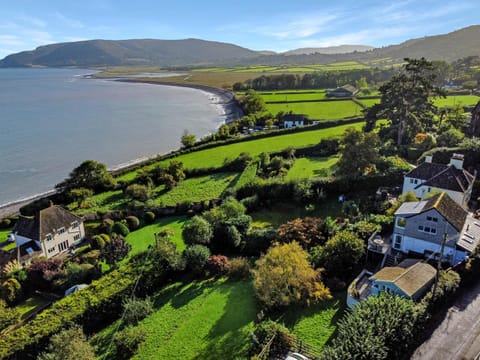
53, 119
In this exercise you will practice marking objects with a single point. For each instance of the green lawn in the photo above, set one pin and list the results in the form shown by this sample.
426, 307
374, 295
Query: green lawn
369, 102
200, 320
141, 238
280, 213
322, 110
316, 324
215, 157
4, 233
459, 99
247, 176
29, 305
194, 189
289, 96
309, 167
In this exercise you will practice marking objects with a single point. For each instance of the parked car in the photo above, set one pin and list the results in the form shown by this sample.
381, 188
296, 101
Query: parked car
75, 288
296, 356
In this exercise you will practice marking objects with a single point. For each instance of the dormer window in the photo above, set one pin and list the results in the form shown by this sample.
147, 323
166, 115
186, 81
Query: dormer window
75, 224
49, 237
61, 231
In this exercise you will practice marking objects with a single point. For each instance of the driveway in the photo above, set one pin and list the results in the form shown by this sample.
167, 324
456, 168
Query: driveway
458, 335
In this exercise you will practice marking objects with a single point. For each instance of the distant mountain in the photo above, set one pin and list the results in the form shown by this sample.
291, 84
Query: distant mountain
448, 47
340, 49
129, 52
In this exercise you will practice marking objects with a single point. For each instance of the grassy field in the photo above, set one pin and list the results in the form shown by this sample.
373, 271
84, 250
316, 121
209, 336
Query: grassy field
325, 110
293, 96
247, 176
215, 157
29, 305
309, 167
212, 319
141, 238
280, 213
4, 233
194, 189
369, 102
465, 100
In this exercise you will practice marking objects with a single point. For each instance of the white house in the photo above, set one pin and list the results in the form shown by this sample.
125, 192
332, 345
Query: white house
410, 279
431, 177
421, 227
294, 120
50, 232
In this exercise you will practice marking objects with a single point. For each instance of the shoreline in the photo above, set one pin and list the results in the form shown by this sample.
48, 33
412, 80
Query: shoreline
231, 112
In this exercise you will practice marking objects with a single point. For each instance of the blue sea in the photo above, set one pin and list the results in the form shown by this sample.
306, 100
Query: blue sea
53, 119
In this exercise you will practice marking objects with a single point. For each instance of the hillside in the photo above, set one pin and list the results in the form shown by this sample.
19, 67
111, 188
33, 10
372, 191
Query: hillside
129, 52
449, 47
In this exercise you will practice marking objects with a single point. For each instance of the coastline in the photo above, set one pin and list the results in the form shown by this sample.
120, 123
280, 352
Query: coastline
223, 98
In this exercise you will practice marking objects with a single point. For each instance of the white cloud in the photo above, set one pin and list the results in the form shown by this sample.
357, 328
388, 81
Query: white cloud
32, 21
11, 40
72, 23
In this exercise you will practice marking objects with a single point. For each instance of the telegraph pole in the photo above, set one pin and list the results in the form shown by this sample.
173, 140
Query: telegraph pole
439, 264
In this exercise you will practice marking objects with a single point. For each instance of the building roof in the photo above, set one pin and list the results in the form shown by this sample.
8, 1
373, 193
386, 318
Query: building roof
47, 221
442, 176
442, 203
410, 275
470, 236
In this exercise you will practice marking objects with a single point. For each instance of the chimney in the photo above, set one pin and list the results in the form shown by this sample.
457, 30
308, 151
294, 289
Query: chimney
428, 159
457, 161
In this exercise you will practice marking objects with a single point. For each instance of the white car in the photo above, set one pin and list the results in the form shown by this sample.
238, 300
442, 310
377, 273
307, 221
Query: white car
296, 356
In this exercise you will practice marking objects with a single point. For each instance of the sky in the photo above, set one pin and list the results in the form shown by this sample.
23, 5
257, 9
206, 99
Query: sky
277, 25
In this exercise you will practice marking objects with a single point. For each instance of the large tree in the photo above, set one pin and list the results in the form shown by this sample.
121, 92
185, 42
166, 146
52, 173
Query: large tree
407, 99
284, 276
69, 344
90, 175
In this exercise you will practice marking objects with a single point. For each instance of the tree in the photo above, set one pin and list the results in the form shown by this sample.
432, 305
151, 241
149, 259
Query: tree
188, 139
138, 192
306, 232
197, 231
451, 137
69, 344
381, 327
407, 99
120, 228
116, 250
80, 195
358, 152
89, 175
284, 276
135, 310
341, 255
252, 103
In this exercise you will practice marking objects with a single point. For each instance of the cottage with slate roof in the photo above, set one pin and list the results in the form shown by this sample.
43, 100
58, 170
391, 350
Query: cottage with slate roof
431, 177
52, 231
343, 91
420, 228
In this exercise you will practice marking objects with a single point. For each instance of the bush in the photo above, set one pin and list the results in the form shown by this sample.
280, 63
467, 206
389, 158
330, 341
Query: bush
8, 315
149, 217
258, 241
239, 268
120, 229
450, 138
196, 257
135, 310
5, 223
127, 341
133, 222
284, 340
197, 231
218, 264
138, 192
97, 242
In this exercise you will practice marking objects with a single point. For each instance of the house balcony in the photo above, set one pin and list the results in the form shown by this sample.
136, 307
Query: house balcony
359, 289
380, 244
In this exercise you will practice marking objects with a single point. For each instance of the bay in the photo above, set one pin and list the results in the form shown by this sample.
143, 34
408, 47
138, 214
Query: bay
53, 119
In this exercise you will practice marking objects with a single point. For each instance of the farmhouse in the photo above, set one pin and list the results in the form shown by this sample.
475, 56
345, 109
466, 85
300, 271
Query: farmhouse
294, 120
421, 227
50, 232
410, 279
343, 91
431, 177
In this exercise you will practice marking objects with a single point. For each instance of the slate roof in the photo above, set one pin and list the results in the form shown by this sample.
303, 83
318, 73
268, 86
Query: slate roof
47, 221
443, 203
410, 275
442, 176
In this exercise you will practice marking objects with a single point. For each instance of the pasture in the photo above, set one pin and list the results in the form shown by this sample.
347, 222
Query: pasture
324, 110
310, 167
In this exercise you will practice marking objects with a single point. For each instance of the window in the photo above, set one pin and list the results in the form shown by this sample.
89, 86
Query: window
63, 246
411, 181
61, 231
397, 244
49, 237
401, 222
76, 237
430, 218
75, 224
427, 229
416, 181
51, 250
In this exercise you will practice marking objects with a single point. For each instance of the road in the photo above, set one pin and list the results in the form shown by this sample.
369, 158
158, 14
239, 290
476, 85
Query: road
458, 336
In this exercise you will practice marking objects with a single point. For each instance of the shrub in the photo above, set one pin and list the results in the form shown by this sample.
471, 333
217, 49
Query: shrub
149, 217
218, 264
284, 340
135, 310
133, 222
116, 250
5, 223
196, 257
197, 231
138, 192
450, 138
69, 344
251, 203
10, 290
448, 284
239, 268
258, 241
97, 242
120, 229
8, 315
127, 341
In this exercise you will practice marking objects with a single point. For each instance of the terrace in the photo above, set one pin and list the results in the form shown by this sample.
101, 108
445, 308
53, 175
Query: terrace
359, 289
380, 244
